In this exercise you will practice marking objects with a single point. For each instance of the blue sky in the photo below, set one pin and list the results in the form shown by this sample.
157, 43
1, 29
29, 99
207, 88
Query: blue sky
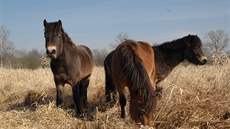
96, 23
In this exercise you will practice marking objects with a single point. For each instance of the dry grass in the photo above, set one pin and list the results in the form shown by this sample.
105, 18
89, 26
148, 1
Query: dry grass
193, 97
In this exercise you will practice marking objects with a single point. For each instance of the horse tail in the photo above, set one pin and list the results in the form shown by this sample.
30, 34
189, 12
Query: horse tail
133, 67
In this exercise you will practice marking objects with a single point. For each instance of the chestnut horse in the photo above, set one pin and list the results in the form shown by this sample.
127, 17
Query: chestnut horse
70, 64
133, 66
167, 56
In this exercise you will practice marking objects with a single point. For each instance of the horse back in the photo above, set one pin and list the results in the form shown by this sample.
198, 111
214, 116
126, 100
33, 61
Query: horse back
85, 59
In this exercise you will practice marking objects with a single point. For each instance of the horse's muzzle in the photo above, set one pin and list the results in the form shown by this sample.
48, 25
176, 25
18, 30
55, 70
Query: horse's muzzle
51, 52
203, 60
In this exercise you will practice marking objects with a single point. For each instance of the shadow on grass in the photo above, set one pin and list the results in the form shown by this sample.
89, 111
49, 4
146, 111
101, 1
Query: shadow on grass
34, 99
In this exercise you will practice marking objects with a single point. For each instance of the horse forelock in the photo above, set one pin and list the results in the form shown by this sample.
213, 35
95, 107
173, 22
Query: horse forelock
144, 98
59, 30
143, 106
193, 41
54, 27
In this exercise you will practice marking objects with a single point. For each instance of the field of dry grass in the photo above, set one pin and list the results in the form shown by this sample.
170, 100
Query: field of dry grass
195, 97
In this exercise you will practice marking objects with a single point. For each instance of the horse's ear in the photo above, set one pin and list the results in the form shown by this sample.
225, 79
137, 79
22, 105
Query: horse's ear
45, 22
59, 23
189, 35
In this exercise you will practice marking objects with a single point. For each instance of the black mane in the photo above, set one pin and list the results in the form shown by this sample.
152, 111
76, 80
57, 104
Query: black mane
67, 39
186, 41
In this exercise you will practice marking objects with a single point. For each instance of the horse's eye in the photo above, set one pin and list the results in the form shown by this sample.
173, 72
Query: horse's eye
196, 51
59, 36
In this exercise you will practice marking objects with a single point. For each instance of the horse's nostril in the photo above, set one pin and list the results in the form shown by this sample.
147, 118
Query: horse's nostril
53, 51
204, 61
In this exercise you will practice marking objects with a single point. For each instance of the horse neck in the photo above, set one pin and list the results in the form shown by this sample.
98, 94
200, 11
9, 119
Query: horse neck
67, 48
166, 61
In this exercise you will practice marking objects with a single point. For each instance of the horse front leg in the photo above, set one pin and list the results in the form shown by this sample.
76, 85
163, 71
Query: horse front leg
159, 91
59, 94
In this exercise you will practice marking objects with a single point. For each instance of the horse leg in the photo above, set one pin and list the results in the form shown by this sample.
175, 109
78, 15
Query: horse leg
59, 94
110, 90
83, 92
122, 100
77, 99
159, 91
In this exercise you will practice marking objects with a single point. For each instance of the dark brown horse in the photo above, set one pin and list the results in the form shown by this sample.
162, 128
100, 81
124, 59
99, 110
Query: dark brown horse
70, 64
167, 56
133, 66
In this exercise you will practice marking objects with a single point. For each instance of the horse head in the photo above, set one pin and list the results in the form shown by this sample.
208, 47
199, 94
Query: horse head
193, 51
53, 38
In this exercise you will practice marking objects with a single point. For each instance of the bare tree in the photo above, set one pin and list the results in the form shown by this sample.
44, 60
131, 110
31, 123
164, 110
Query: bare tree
217, 41
6, 46
1, 51
120, 38
99, 56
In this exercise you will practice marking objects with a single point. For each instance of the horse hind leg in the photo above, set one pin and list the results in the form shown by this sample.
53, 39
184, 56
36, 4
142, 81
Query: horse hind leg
77, 99
83, 92
122, 100
110, 90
